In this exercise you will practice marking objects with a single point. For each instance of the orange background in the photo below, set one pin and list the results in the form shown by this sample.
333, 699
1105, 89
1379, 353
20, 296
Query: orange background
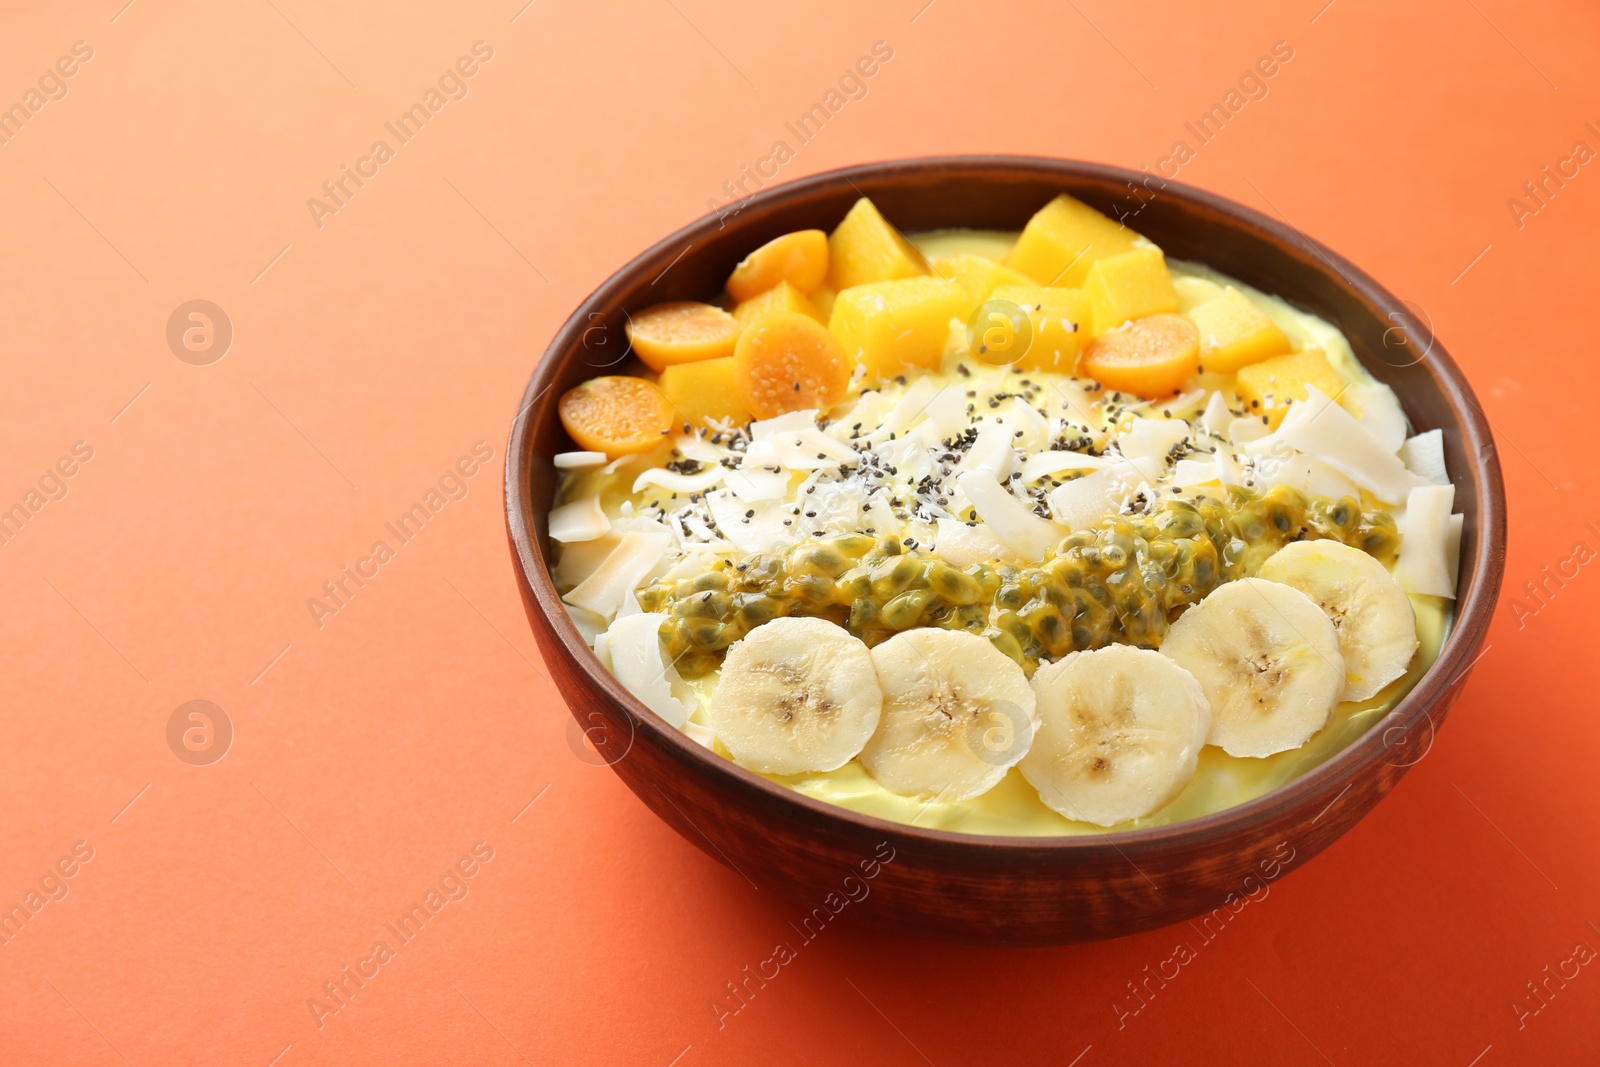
372, 752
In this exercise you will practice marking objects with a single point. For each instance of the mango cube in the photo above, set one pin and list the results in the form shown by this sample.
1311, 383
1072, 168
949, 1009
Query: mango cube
1129, 285
781, 297
978, 276
1234, 332
890, 327
1064, 239
823, 298
866, 249
1267, 387
1060, 320
703, 391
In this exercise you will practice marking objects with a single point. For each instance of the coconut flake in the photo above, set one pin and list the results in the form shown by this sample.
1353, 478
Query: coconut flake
1082, 502
681, 484
1326, 431
1216, 416
963, 546
1152, 439
581, 520
1423, 456
639, 664
635, 555
1246, 431
1016, 527
1378, 409
581, 559
753, 485
590, 626
1192, 472
992, 450
1424, 564
789, 420
571, 461
1043, 464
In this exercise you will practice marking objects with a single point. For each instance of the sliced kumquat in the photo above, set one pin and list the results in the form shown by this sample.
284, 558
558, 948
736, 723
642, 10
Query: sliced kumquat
617, 414
799, 258
1149, 357
684, 331
786, 361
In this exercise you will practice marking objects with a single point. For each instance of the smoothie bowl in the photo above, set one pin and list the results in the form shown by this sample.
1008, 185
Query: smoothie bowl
1066, 552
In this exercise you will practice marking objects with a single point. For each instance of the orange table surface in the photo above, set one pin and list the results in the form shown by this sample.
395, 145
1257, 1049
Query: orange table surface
403, 747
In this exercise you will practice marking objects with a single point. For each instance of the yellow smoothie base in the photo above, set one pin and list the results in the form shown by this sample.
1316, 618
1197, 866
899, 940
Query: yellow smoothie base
1013, 807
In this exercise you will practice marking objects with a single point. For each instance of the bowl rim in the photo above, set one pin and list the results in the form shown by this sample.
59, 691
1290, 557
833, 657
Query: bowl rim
1457, 655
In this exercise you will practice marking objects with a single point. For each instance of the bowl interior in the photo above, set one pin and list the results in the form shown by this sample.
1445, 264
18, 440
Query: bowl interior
1393, 343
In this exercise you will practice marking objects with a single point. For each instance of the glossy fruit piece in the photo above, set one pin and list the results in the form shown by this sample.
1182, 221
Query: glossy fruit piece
1267, 387
895, 326
866, 249
781, 297
683, 331
787, 361
1064, 239
703, 392
1235, 333
978, 276
1060, 319
1130, 285
616, 414
799, 258
1150, 357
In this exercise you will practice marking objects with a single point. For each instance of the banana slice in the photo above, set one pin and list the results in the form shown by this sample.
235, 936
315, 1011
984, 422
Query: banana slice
957, 713
796, 695
1268, 660
1371, 613
1120, 733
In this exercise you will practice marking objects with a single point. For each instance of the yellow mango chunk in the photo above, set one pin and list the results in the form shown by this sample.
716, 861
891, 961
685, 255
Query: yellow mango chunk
703, 391
781, 297
1129, 285
1235, 333
978, 276
1267, 387
866, 249
890, 327
1064, 239
823, 298
1060, 321
800, 259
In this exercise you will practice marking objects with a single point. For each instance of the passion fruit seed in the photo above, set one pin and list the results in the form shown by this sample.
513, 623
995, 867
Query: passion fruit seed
1121, 581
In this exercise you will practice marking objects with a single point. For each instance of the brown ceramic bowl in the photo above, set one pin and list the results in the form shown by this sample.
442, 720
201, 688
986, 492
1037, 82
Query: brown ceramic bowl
1005, 890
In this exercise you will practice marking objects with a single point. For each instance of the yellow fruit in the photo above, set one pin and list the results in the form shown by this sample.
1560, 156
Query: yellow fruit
786, 361
1129, 285
781, 297
1267, 387
682, 332
1235, 333
1060, 322
616, 414
978, 276
801, 259
894, 326
1064, 239
1149, 357
703, 391
823, 298
865, 249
